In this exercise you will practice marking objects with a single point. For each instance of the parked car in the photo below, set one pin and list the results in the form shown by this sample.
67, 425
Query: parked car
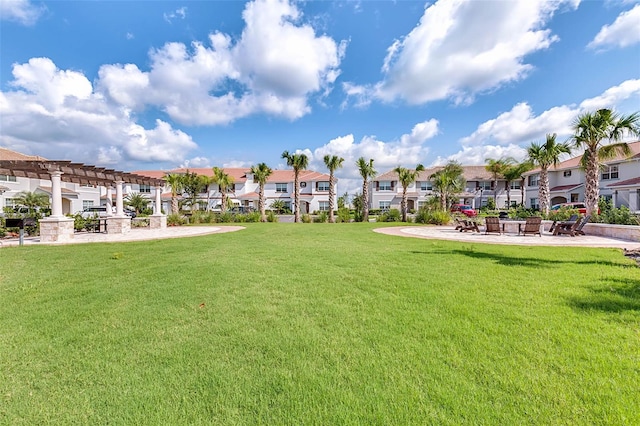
581, 207
465, 209
94, 211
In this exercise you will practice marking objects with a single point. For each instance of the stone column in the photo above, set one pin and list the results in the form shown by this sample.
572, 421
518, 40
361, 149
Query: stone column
157, 220
109, 200
119, 202
120, 223
57, 227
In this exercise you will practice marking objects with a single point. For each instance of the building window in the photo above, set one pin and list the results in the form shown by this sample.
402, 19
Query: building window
610, 172
534, 203
421, 204
303, 184
574, 197
426, 186
566, 173
322, 186
5, 178
533, 180
484, 185
9, 202
145, 189
515, 184
323, 206
281, 187
87, 203
385, 185
385, 205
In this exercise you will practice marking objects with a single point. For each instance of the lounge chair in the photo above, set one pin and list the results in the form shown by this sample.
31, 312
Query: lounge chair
531, 226
459, 224
572, 218
585, 220
492, 224
567, 228
469, 225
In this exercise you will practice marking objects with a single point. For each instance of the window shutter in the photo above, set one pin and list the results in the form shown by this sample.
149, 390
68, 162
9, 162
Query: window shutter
377, 186
317, 183
393, 184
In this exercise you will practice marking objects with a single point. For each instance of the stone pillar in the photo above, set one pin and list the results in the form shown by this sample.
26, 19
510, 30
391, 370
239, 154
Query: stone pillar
56, 195
109, 200
118, 224
119, 202
157, 220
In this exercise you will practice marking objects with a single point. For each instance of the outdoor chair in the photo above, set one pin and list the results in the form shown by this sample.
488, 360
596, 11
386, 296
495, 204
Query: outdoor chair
584, 221
567, 228
531, 226
492, 224
469, 225
459, 224
572, 218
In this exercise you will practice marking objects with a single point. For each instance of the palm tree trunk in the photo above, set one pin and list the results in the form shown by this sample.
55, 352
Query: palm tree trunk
331, 195
174, 204
296, 194
404, 204
263, 215
592, 183
543, 190
365, 201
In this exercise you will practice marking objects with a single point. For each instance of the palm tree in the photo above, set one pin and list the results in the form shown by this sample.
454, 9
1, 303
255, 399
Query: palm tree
298, 162
545, 155
447, 182
192, 185
224, 182
514, 172
332, 162
261, 173
205, 182
32, 201
497, 168
406, 178
137, 201
176, 182
367, 172
590, 130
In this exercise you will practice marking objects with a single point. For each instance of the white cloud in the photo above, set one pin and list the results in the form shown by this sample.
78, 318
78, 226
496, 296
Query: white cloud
509, 132
622, 33
461, 48
22, 11
58, 111
273, 68
178, 13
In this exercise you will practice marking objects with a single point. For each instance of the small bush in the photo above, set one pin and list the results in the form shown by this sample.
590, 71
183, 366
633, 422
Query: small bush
392, 215
225, 217
253, 217
432, 217
306, 218
616, 216
344, 215
176, 219
322, 217
271, 216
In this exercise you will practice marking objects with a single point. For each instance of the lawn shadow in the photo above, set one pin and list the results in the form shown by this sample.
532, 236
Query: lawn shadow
506, 260
617, 295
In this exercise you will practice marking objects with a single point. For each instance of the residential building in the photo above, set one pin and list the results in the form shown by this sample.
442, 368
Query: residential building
619, 181
386, 191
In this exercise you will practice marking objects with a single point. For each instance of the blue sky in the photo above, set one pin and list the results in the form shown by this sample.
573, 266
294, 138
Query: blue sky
138, 85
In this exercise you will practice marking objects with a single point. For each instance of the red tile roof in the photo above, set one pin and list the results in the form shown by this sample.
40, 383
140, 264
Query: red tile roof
470, 173
9, 155
563, 188
629, 182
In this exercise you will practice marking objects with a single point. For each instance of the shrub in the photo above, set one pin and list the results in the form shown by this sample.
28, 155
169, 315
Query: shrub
175, 219
271, 216
392, 215
563, 213
344, 215
253, 217
432, 217
306, 218
225, 217
617, 216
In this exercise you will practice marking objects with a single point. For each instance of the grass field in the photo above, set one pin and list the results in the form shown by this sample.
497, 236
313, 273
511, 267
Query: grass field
318, 324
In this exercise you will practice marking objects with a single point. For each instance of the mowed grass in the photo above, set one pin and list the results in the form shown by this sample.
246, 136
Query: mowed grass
318, 324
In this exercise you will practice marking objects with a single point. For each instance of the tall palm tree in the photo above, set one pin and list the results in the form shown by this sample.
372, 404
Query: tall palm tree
332, 162
176, 182
261, 173
447, 182
32, 201
514, 172
205, 182
590, 130
545, 155
367, 172
406, 177
224, 182
298, 162
137, 202
497, 169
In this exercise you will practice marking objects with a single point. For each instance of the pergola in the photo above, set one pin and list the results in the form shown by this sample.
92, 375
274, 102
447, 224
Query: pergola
67, 171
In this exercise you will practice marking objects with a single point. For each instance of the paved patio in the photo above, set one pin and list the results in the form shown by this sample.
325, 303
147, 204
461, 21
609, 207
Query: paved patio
449, 233
136, 234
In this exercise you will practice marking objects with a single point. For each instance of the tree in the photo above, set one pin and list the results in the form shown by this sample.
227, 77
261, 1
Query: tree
366, 170
447, 182
32, 201
298, 162
332, 162
137, 202
279, 206
176, 183
192, 185
406, 177
205, 182
343, 200
514, 172
591, 129
545, 155
261, 173
224, 182
497, 169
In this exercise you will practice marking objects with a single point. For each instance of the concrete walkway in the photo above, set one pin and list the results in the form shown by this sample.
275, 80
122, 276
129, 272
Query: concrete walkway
449, 233
136, 234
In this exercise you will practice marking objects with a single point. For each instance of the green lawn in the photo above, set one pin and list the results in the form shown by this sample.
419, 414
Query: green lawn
318, 324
